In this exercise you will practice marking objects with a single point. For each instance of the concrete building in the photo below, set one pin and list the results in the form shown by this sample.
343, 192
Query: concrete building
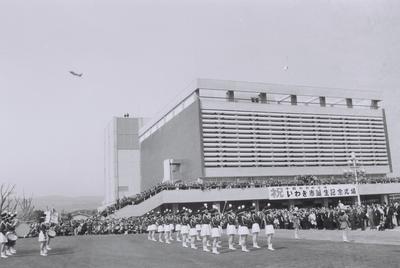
243, 131
225, 130
121, 158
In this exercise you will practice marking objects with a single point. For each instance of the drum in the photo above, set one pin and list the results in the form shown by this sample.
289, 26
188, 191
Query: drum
51, 233
11, 237
22, 229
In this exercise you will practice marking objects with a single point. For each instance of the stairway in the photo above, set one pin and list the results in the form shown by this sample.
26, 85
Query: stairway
191, 196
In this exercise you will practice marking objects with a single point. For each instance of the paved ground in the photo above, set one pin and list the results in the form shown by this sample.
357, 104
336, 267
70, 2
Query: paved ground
316, 249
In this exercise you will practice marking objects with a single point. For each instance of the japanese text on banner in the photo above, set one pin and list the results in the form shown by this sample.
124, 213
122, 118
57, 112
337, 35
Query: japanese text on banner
314, 191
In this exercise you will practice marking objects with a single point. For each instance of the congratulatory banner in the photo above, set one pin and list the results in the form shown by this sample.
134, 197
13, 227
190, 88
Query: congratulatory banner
314, 191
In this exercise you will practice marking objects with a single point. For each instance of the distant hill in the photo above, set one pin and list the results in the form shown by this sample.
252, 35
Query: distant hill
67, 203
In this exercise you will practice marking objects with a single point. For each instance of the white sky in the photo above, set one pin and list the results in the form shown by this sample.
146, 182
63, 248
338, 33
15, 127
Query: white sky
137, 55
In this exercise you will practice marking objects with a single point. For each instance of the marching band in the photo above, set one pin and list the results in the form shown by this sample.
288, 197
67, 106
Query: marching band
206, 225
8, 238
11, 229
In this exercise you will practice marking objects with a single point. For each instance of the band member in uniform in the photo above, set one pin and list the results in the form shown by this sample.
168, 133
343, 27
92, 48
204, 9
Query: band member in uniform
11, 224
153, 227
53, 221
147, 222
231, 226
243, 230
167, 228
185, 229
215, 230
205, 228
296, 222
192, 231
255, 226
344, 224
198, 225
171, 225
3, 238
51, 227
178, 226
8, 226
269, 227
43, 235
160, 228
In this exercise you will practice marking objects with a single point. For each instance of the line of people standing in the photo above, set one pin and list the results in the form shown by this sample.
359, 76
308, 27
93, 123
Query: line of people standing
206, 226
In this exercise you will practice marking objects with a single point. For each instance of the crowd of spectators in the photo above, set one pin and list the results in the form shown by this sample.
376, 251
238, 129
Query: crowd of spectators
252, 183
96, 225
372, 217
365, 217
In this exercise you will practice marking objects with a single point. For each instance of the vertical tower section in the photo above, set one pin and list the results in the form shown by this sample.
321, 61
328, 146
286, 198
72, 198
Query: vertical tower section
128, 156
122, 158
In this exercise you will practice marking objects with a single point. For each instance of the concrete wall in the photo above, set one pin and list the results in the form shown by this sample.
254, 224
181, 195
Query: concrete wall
129, 172
121, 158
379, 188
110, 167
127, 133
178, 139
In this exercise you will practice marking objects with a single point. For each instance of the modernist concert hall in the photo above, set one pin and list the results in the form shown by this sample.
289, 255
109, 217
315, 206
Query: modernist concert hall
289, 145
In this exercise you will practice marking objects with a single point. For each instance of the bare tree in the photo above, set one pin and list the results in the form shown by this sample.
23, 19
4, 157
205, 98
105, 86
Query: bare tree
6, 192
26, 208
11, 204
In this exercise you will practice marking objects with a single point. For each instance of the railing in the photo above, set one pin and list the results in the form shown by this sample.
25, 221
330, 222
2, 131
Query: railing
249, 183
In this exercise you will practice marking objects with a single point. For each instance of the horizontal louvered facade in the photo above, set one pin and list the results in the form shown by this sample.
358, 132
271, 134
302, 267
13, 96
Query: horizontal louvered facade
285, 140
263, 139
